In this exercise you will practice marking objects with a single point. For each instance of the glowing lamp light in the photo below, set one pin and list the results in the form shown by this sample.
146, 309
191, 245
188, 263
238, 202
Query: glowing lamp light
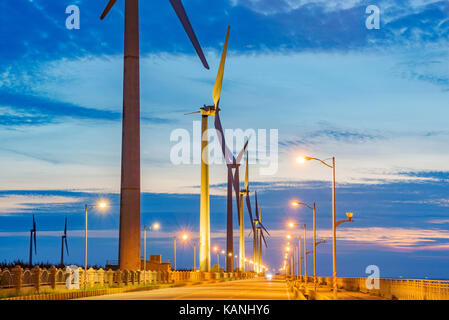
184, 237
300, 160
102, 205
295, 203
291, 224
215, 249
287, 249
289, 236
222, 252
349, 215
156, 226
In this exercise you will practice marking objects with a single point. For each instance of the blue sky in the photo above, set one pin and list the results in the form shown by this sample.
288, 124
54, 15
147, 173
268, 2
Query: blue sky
376, 99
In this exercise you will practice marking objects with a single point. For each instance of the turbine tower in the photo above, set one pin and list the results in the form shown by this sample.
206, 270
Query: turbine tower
206, 112
244, 193
129, 241
32, 239
233, 183
64, 242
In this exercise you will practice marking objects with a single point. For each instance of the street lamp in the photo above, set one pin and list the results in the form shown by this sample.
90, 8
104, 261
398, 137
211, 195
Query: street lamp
334, 226
218, 258
194, 255
291, 225
154, 227
87, 208
184, 237
313, 208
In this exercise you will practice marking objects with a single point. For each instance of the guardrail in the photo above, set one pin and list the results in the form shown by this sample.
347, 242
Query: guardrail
400, 289
18, 280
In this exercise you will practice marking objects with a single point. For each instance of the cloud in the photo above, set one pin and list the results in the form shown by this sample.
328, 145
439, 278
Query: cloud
340, 135
269, 7
28, 203
433, 175
42, 110
438, 221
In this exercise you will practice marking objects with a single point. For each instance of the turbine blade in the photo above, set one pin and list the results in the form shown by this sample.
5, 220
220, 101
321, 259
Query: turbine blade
248, 205
219, 81
229, 157
242, 152
182, 15
35, 246
247, 172
263, 227
263, 238
108, 8
196, 112
66, 245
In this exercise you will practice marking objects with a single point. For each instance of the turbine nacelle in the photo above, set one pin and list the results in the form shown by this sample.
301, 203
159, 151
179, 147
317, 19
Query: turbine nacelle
209, 111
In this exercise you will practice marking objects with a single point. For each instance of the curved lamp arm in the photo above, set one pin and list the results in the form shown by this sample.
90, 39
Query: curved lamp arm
316, 159
342, 221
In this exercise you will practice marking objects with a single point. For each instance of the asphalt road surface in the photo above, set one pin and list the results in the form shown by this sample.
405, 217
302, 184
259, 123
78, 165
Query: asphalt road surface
254, 289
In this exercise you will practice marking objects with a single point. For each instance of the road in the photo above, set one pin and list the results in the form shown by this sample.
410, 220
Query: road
254, 289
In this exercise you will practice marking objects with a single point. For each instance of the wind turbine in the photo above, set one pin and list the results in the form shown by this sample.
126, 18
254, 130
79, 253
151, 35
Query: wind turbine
258, 236
233, 183
232, 163
32, 238
64, 241
244, 193
206, 112
129, 240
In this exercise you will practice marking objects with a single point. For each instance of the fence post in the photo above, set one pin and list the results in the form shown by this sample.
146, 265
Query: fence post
36, 274
100, 274
125, 276
18, 278
110, 277
52, 275
118, 274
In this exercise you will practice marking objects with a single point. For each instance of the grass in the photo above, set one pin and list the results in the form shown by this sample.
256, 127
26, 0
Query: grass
56, 291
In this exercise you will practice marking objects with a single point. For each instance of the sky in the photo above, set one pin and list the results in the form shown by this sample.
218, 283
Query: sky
309, 70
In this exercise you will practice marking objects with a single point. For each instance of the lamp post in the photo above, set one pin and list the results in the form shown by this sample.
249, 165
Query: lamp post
287, 251
334, 226
155, 226
313, 208
184, 237
224, 254
174, 246
291, 225
194, 256
218, 258
88, 208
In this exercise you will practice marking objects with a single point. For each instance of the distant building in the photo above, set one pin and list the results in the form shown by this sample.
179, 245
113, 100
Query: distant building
216, 268
156, 264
